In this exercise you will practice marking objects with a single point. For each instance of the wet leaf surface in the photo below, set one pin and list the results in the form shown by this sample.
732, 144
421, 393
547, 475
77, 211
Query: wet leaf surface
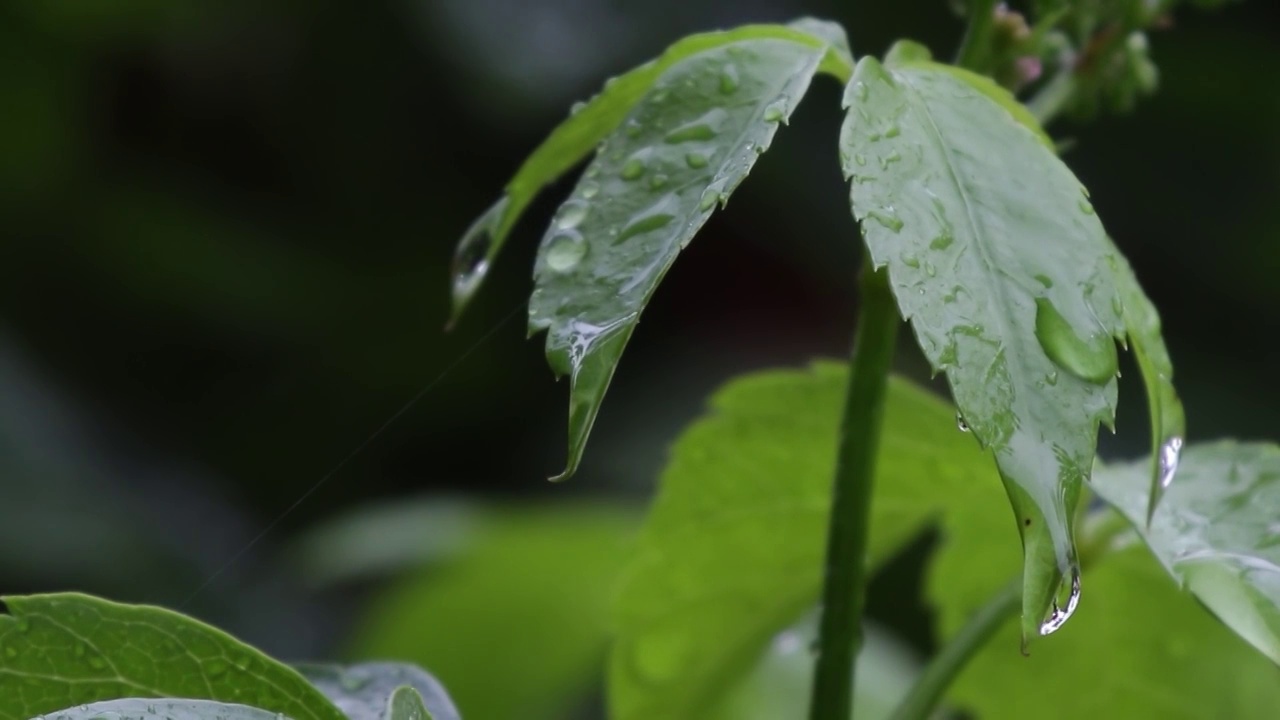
367, 691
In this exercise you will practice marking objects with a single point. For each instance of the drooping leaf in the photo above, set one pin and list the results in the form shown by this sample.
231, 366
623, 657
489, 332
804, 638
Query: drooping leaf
1140, 648
732, 550
681, 151
515, 623
406, 704
1217, 531
1168, 422
996, 257
151, 709
66, 649
367, 691
599, 117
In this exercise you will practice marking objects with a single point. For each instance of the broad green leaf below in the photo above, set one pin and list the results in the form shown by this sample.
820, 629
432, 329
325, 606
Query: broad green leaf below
732, 551
68, 649
680, 152
997, 258
593, 121
153, 709
366, 691
1217, 531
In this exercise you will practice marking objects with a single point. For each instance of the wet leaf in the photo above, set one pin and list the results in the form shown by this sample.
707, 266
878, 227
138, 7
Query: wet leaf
1217, 531
368, 691
732, 551
153, 709
996, 257
406, 704
522, 606
1139, 648
67, 649
681, 151
1168, 422
601, 116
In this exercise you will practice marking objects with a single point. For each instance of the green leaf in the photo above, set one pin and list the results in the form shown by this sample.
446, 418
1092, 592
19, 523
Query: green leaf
599, 117
1139, 648
732, 551
406, 704
368, 691
1168, 422
682, 150
516, 623
152, 709
1217, 531
67, 649
997, 258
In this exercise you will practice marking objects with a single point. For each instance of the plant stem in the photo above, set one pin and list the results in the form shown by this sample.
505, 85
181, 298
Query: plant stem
977, 37
947, 664
1052, 98
844, 590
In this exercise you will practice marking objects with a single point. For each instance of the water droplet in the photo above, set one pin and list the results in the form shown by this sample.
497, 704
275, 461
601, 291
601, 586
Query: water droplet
709, 198
658, 96
860, 159
729, 79
695, 160
658, 181
216, 667
577, 107
588, 189
565, 250
632, 129
887, 160
353, 683
887, 218
1058, 616
107, 716
960, 423
1086, 207
941, 242
1092, 358
892, 131
471, 258
860, 90
570, 215
1052, 377
652, 218
910, 260
1044, 280
874, 137
632, 169
930, 270
1170, 453
1117, 305
776, 111
705, 127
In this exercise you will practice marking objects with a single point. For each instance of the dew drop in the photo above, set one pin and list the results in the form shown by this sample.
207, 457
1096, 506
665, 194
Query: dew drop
729, 79
1092, 359
632, 169
961, 425
577, 107
1058, 616
942, 242
565, 250
695, 160
471, 258
570, 215
887, 160
709, 198
652, 218
860, 159
353, 683
892, 131
930, 270
1170, 454
887, 218
910, 260
1044, 280
588, 189
860, 90
1086, 207
776, 111
705, 127
1117, 305
658, 181
632, 129
1052, 377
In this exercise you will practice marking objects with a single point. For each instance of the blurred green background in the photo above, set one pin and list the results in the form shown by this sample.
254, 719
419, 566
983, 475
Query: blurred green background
227, 235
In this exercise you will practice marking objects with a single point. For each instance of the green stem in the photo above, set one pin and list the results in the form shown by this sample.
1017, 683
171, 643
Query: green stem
977, 37
1052, 98
844, 590
948, 663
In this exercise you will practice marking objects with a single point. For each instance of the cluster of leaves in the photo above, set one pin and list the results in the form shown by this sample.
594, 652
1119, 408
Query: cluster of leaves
74, 657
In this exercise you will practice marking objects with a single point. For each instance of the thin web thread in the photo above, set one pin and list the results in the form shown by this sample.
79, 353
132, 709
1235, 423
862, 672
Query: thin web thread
351, 456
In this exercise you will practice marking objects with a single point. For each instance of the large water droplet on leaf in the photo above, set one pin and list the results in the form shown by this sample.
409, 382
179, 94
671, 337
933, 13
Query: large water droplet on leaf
776, 111
887, 218
704, 128
570, 215
1170, 453
1058, 615
652, 218
1092, 358
471, 258
565, 250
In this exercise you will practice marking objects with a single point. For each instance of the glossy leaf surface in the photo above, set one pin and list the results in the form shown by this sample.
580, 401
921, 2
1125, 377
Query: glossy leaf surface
996, 257
732, 550
151, 709
68, 649
1217, 531
367, 691
593, 121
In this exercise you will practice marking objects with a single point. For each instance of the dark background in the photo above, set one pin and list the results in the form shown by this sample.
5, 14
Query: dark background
227, 234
